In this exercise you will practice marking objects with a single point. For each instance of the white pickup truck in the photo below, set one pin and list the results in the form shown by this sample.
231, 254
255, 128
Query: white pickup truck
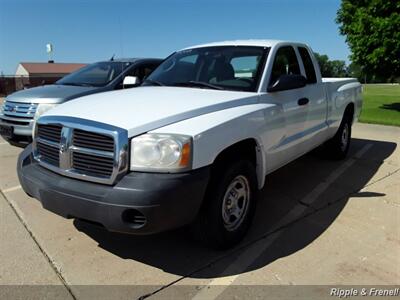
194, 144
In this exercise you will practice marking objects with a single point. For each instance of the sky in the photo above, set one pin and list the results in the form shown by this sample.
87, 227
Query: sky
91, 30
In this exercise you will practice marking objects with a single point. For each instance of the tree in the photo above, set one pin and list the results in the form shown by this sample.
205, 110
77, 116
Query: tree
331, 68
372, 30
357, 72
339, 68
323, 61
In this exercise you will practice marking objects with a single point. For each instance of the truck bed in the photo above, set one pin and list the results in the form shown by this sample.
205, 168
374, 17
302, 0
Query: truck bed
341, 91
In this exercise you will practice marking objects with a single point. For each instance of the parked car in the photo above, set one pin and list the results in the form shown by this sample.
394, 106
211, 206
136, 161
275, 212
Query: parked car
22, 108
194, 144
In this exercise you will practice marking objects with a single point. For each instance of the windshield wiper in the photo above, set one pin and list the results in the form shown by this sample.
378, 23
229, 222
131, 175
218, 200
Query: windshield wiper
76, 84
193, 83
154, 82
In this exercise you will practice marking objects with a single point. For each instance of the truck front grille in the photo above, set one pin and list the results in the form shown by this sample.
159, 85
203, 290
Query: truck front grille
48, 154
92, 165
92, 140
19, 110
50, 132
97, 154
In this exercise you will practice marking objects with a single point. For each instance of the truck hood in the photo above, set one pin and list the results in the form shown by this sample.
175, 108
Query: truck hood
147, 108
49, 93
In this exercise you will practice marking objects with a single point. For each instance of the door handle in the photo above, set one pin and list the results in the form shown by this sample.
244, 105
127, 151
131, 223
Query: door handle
303, 101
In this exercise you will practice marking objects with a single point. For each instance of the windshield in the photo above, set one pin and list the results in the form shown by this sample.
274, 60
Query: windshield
235, 68
97, 74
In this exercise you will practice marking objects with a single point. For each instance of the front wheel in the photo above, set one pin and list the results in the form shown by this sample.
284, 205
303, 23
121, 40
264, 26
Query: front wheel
229, 205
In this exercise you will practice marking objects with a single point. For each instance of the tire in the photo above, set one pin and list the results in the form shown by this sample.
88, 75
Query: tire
338, 146
229, 205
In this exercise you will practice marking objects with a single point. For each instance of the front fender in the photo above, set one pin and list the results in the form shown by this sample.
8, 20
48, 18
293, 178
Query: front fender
214, 132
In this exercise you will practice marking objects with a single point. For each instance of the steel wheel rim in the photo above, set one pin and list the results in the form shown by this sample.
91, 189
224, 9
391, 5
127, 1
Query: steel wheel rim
235, 203
345, 137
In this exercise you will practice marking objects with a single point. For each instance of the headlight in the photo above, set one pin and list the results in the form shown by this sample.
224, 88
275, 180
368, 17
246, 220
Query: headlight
42, 108
161, 152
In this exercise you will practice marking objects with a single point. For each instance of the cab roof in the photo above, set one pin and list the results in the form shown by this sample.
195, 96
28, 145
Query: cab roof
256, 43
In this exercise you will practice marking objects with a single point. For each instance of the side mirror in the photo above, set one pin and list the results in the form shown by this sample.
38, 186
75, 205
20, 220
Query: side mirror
288, 82
130, 81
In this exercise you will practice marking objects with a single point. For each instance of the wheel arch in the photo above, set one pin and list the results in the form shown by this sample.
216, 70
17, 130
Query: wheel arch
349, 111
250, 148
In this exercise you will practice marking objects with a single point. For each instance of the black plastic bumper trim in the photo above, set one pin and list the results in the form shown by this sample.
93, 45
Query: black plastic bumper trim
166, 200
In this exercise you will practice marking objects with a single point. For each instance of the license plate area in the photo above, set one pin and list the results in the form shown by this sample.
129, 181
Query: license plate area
6, 131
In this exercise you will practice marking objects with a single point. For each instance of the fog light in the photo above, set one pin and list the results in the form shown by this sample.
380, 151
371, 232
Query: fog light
134, 217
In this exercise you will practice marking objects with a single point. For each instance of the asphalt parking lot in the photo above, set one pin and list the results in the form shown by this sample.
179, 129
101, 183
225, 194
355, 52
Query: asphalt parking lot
318, 222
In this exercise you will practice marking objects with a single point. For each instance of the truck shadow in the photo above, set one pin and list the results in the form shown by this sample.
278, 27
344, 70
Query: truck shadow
281, 209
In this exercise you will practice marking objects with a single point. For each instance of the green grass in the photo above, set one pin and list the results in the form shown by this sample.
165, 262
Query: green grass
381, 104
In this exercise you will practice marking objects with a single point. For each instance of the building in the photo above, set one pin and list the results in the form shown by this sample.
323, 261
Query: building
49, 69
30, 74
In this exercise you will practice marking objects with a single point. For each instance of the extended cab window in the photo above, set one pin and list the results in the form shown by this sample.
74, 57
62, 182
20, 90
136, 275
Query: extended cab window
308, 65
285, 63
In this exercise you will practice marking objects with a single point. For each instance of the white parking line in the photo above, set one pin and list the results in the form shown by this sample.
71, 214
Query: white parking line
246, 258
11, 189
3, 143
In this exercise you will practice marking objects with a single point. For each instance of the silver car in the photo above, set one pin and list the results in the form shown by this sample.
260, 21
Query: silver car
21, 109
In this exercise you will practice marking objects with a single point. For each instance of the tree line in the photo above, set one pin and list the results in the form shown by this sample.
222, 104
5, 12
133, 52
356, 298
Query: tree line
331, 68
372, 31
338, 68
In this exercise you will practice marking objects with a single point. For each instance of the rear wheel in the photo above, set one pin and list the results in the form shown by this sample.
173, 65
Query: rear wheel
229, 205
338, 146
